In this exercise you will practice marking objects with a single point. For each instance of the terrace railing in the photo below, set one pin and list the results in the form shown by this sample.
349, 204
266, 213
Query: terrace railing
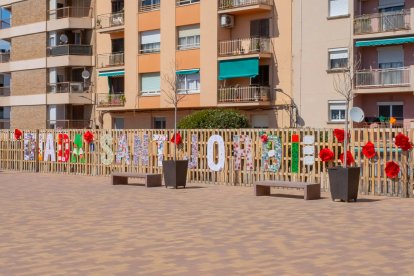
382, 22
244, 94
383, 77
231, 4
244, 46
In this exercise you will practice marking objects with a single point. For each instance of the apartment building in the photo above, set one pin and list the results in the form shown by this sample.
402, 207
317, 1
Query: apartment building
375, 37
218, 53
46, 63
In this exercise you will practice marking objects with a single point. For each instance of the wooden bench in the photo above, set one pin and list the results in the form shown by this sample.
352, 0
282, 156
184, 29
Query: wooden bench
151, 180
312, 190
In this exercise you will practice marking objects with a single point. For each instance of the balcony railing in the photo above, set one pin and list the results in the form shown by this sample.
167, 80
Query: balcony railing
231, 4
5, 23
186, 2
4, 57
110, 100
4, 123
383, 78
110, 20
244, 46
70, 49
66, 87
244, 94
4, 91
148, 7
69, 124
110, 60
67, 12
382, 22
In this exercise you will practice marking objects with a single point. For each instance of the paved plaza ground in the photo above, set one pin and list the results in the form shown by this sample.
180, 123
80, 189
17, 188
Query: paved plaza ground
75, 225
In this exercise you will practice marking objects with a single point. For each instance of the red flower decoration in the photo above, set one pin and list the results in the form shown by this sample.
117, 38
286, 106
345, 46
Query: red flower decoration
392, 169
340, 135
369, 150
88, 137
176, 139
17, 134
264, 138
403, 142
349, 158
326, 155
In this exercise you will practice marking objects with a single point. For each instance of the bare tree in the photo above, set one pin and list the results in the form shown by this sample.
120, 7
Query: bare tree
173, 96
344, 84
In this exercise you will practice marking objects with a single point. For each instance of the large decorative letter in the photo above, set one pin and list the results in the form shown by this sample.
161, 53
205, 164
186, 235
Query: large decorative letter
210, 153
77, 153
245, 152
122, 151
160, 139
50, 149
29, 146
309, 150
271, 154
63, 147
193, 164
295, 154
141, 150
107, 156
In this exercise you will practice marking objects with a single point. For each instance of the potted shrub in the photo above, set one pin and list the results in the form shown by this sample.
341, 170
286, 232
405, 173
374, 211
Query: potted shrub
344, 180
174, 171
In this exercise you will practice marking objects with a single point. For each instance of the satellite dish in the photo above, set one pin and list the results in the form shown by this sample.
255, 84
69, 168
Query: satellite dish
86, 75
356, 114
63, 38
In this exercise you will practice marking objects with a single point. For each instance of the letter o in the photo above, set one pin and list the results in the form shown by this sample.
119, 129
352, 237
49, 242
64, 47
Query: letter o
210, 153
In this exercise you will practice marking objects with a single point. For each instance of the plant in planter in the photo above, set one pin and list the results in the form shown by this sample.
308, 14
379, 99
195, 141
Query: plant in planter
174, 171
344, 181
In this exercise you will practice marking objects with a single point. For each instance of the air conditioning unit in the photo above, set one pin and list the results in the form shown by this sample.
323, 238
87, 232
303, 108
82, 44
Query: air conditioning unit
227, 21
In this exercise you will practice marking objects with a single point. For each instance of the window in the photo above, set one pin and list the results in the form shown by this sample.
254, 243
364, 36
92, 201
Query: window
338, 7
118, 45
116, 85
189, 37
160, 123
259, 28
188, 83
117, 6
263, 78
150, 84
338, 58
150, 41
337, 111
119, 123
4, 112
392, 109
260, 121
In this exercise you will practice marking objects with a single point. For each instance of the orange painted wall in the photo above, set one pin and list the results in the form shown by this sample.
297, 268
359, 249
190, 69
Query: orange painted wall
187, 15
192, 100
188, 59
149, 21
149, 102
149, 63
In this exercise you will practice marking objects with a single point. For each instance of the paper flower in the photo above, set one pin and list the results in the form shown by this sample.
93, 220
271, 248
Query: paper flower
176, 139
88, 137
403, 142
349, 158
392, 169
17, 134
326, 155
393, 121
369, 150
264, 138
340, 135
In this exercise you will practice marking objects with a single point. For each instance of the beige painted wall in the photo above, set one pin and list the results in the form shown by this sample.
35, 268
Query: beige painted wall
29, 11
313, 35
21, 86
28, 117
28, 47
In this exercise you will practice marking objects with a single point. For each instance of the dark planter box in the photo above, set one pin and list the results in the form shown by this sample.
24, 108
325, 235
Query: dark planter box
344, 183
175, 173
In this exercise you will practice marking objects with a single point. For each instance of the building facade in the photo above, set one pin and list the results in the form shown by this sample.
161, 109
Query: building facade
219, 54
374, 39
46, 63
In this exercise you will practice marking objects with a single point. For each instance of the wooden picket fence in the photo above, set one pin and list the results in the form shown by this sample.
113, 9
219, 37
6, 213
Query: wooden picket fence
373, 178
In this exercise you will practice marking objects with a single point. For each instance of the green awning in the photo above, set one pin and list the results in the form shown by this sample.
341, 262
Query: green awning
188, 72
382, 42
111, 73
239, 68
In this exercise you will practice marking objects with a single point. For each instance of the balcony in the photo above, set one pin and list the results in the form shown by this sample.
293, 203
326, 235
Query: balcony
4, 123
4, 57
244, 6
5, 23
110, 60
73, 12
243, 47
67, 87
187, 2
386, 24
148, 7
248, 94
69, 124
384, 80
110, 100
4, 91
110, 22
70, 49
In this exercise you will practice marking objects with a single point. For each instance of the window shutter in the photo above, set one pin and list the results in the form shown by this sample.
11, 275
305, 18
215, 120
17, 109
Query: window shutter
390, 3
150, 37
338, 7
